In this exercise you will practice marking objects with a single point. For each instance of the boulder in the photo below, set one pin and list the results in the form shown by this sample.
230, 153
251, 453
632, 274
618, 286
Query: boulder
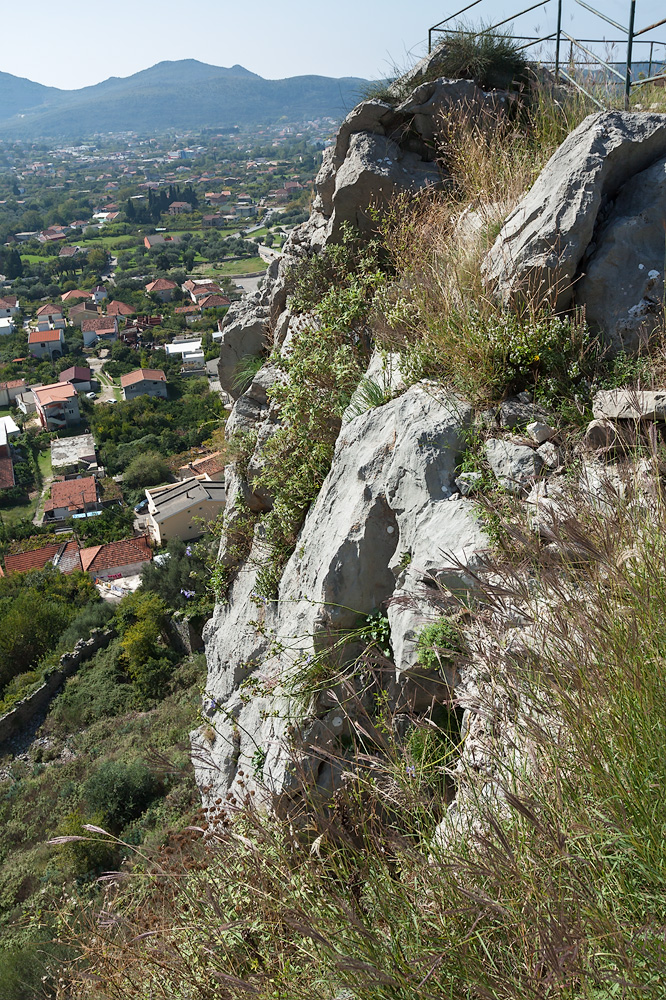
244, 334
629, 404
516, 466
542, 243
431, 102
382, 376
387, 494
518, 413
374, 171
540, 431
622, 287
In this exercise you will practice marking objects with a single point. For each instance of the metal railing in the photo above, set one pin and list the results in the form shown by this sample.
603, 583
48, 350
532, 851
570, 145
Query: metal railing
610, 70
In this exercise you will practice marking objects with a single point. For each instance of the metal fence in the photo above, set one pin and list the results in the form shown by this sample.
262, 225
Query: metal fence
559, 49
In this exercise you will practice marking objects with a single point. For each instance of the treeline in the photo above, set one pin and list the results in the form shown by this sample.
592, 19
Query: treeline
158, 203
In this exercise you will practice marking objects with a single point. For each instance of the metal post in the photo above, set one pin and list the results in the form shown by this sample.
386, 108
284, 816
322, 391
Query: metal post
429, 40
651, 58
630, 46
559, 35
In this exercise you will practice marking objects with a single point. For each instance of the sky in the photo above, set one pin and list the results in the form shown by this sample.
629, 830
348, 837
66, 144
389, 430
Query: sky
77, 43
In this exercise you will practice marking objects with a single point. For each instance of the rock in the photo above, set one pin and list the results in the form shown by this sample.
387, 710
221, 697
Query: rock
540, 432
383, 378
386, 494
431, 102
629, 404
468, 482
374, 171
542, 243
549, 455
244, 334
622, 288
516, 466
518, 413
603, 435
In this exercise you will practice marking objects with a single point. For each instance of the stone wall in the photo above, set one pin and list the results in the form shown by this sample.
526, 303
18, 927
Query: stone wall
25, 711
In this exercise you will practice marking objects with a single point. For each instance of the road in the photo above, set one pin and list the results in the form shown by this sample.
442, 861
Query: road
106, 393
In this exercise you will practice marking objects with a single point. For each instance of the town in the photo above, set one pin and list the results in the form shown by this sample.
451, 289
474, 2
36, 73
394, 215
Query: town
119, 259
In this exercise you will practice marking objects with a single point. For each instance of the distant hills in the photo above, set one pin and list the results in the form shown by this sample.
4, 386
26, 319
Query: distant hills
182, 94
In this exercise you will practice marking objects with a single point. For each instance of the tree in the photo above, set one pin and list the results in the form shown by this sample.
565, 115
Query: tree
147, 469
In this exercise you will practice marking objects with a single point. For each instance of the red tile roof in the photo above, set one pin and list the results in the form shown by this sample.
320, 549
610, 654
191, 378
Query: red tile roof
98, 323
6, 472
161, 285
44, 336
56, 392
214, 302
73, 494
114, 555
141, 374
75, 293
22, 562
49, 310
14, 384
8, 302
76, 373
116, 308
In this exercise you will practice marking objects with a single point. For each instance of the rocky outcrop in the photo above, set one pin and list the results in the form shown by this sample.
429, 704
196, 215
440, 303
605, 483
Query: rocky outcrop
384, 531
380, 151
586, 233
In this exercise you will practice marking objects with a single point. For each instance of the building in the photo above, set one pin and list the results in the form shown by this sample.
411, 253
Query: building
46, 343
10, 390
210, 468
98, 294
179, 207
99, 330
57, 406
191, 313
212, 222
81, 312
177, 511
70, 456
116, 308
74, 294
117, 559
26, 402
159, 240
63, 555
214, 301
8, 429
7, 326
163, 289
144, 382
70, 497
78, 376
50, 317
9, 306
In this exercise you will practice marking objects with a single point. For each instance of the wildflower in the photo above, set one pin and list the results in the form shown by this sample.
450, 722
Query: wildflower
410, 771
188, 550
188, 593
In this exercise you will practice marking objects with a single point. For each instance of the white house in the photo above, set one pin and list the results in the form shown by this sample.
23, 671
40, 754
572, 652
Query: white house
9, 306
144, 382
7, 326
46, 343
50, 317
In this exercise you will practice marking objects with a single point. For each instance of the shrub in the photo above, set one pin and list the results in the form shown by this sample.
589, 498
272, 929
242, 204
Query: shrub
120, 791
148, 469
438, 641
84, 859
492, 60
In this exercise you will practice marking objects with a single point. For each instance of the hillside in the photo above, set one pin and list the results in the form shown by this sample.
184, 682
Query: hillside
183, 94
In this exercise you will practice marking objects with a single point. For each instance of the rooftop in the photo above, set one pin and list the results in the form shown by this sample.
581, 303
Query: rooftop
141, 375
77, 373
161, 285
68, 451
57, 392
65, 554
49, 309
73, 494
116, 308
45, 336
98, 323
170, 500
114, 554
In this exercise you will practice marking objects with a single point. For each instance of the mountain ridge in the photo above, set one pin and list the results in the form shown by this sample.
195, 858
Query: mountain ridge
183, 93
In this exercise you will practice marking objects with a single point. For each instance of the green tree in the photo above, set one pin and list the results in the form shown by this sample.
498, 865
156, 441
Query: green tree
147, 469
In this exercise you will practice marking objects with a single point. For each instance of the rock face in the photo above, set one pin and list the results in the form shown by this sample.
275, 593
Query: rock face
541, 249
516, 466
380, 151
383, 530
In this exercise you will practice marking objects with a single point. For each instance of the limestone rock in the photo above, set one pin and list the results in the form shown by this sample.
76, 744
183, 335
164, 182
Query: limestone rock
549, 455
622, 288
432, 101
383, 376
468, 482
540, 431
516, 466
542, 243
243, 334
375, 169
386, 494
518, 413
629, 404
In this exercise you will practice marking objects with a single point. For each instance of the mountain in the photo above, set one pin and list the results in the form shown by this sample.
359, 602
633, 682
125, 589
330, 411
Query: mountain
181, 94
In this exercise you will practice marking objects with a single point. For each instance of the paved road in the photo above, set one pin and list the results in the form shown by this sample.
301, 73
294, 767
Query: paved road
106, 393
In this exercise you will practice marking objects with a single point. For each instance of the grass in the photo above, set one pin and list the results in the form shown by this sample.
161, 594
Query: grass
556, 889
248, 266
44, 462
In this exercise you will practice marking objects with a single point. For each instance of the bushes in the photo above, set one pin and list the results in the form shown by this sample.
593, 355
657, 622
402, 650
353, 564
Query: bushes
147, 469
120, 791
493, 61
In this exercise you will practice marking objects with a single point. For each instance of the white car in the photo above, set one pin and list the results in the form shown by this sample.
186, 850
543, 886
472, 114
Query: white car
91, 395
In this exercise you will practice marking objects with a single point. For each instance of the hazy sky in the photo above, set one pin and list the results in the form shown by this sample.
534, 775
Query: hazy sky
78, 42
